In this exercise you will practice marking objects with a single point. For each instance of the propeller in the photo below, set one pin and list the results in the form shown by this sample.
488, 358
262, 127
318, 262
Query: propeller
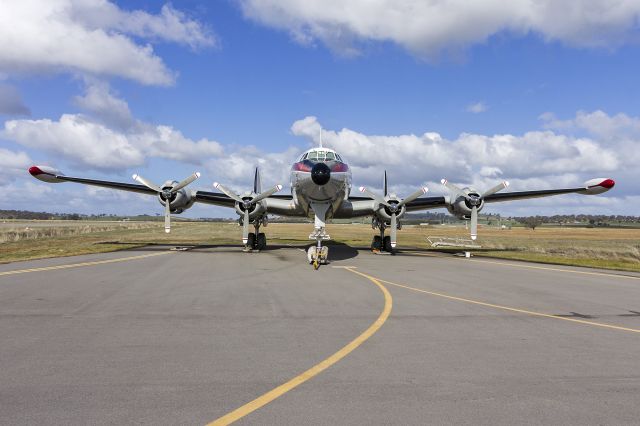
393, 207
246, 203
473, 200
166, 194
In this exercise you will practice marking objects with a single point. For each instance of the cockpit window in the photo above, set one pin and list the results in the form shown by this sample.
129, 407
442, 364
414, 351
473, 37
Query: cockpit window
321, 156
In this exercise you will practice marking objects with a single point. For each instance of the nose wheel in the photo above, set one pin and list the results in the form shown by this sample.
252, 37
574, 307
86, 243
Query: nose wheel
318, 255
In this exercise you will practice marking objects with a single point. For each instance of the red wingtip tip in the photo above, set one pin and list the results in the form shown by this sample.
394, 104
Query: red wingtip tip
34, 171
607, 183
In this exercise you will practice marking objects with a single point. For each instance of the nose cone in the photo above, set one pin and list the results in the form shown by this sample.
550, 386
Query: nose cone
320, 174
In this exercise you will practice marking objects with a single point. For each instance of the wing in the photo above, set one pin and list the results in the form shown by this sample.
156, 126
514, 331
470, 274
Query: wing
50, 175
591, 187
424, 203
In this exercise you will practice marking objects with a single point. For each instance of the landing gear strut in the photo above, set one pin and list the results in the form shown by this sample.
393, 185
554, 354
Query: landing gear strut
318, 254
257, 240
380, 243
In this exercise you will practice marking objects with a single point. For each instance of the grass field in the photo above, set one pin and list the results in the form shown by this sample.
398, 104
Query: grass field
596, 247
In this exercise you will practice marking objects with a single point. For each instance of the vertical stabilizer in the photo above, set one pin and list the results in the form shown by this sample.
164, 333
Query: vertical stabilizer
384, 184
257, 184
320, 137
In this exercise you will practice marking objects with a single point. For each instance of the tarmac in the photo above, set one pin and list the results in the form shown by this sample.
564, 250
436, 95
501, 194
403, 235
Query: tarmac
156, 336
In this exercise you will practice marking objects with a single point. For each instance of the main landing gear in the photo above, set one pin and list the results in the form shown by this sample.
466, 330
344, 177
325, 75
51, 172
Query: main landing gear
256, 240
380, 243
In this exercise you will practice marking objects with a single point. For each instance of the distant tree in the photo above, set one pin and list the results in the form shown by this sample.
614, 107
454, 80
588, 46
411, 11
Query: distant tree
531, 222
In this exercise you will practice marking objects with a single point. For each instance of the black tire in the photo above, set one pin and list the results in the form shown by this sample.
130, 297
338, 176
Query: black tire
376, 244
386, 244
261, 241
251, 240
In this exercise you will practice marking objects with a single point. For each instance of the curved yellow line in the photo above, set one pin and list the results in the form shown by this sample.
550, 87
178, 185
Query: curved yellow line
508, 308
266, 398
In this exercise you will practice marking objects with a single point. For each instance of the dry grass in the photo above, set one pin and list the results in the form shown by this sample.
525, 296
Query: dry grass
36, 231
597, 247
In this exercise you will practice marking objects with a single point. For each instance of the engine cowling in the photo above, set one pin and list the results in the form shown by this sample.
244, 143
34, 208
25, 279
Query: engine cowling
461, 207
384, 213
179, 201
255, 209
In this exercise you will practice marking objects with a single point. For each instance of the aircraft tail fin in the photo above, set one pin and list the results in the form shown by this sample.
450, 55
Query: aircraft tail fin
384, 184
257, 183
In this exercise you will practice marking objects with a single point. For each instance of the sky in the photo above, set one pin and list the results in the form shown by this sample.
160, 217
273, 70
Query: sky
541, 93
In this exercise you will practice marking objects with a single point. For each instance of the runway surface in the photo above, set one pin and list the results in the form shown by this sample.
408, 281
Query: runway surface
157, 336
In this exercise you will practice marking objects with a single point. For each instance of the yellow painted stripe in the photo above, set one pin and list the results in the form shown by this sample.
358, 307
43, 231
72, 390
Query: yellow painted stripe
508, 308
277, 392
77, 265
518, 265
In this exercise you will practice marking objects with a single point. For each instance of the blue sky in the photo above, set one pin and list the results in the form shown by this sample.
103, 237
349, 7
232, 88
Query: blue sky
541, 98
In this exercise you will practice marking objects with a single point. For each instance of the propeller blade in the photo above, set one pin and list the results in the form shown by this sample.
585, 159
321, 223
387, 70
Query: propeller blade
266, 194
167, 216
413, 196
245, 227
450, 186
474, 223
373, 195
499, 187
146, 183
185, 182
229, 193
394, 230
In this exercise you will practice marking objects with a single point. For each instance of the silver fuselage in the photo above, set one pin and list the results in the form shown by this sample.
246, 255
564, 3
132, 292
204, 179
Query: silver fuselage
306, 192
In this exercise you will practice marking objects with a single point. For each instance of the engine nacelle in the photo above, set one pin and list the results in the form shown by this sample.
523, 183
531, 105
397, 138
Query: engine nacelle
255, 210
461, 207
384, 214
179, 201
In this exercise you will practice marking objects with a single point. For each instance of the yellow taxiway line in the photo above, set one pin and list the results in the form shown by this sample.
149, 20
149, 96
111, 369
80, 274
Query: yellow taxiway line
517, 265
277, 392
77, 265
508, 308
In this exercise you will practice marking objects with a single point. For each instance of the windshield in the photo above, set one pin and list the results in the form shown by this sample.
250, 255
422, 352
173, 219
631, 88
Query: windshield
321, 156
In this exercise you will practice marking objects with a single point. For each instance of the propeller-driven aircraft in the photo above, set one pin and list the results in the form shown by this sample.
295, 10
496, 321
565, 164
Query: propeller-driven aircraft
321, 188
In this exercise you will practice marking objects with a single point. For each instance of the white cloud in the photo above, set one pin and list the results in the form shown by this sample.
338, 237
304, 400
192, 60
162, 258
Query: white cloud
11, 102
91, 37
12, 165
108, 138
426, 28
477, 108
110, 110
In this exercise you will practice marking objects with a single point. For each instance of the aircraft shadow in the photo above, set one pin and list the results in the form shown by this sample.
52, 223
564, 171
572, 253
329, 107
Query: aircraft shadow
337, 250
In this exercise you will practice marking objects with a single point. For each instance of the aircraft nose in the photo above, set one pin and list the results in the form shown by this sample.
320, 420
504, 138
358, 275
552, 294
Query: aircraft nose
320, 174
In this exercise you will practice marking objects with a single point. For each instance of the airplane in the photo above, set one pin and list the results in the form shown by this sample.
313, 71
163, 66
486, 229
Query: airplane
321, 185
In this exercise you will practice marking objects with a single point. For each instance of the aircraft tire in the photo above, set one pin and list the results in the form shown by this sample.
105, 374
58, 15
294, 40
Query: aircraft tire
251, 240
386, 244
261, 241
376, 244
